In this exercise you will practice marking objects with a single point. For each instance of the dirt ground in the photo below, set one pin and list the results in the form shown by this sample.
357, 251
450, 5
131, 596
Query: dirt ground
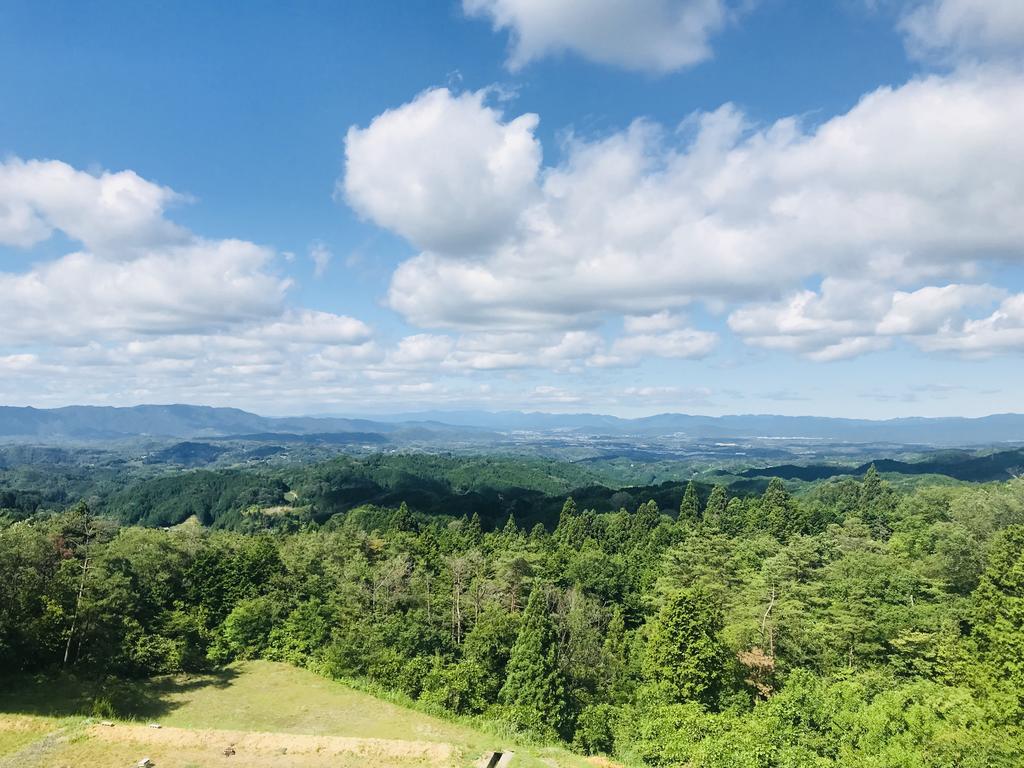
249, 744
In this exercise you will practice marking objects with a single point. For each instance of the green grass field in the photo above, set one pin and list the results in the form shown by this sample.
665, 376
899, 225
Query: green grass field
270, 714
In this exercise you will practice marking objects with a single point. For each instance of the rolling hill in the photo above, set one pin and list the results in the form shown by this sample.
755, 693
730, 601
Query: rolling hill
99, 423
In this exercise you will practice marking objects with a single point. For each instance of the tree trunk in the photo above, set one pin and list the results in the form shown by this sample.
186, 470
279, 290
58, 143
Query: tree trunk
78, 599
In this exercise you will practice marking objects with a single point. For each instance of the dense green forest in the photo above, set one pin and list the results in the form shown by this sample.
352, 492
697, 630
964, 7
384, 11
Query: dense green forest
854, 625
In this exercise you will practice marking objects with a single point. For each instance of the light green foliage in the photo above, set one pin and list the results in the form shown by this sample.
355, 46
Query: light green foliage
246, 630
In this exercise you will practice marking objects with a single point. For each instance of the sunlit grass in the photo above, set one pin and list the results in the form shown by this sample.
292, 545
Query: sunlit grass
254, 697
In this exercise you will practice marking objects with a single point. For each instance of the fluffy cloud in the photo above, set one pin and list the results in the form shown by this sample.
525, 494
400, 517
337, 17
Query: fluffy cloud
847, 318
568, 351
656, 323
929, 309
147, 310
443, 171
201, 286
138, 272
307, 326
966, 28
1001, 331
421, 349
924, 182
683, 343
652, 35
109, 213
492, 351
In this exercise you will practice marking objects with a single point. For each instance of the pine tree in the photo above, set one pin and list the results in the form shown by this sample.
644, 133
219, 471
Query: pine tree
876, 502
999, 606
685, 657
778, 512
616, 657
474, 529
403, 520
645, 520
715, 511
689, 507
735, 518
538, 533
511, 530
569, 513
534, 689
574, 526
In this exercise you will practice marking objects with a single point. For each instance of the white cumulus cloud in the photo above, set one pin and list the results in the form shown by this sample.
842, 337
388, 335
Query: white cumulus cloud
109, 213
921, 182
444, 171
966, 28
847, 318
650, 35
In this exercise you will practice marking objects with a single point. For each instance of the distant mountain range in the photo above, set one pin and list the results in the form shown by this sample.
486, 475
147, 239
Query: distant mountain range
998, 428
192, 421
105, 423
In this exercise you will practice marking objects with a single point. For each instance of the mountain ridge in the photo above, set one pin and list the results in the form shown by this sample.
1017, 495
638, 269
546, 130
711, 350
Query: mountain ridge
98, 423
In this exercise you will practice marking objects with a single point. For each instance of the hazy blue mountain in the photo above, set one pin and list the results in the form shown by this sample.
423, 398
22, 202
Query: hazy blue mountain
192, 421
99, 423
997, 428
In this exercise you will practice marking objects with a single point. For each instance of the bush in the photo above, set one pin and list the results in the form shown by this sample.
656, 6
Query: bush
595, 728
455, 687
245, 632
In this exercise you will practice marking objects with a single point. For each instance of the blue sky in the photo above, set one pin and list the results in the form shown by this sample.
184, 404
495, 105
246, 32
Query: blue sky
627, 207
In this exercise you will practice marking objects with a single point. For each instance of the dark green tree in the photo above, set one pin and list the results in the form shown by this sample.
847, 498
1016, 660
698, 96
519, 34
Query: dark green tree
877, 502
778, 513
403, 520
999, 606
569, 511
685, 657
689, 507
714, 511
645, 521
534, 689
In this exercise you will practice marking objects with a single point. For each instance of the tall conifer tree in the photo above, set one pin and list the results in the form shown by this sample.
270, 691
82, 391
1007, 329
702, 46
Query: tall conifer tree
534, 688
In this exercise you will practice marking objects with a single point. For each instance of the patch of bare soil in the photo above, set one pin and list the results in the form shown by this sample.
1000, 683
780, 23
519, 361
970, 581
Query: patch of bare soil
257, 744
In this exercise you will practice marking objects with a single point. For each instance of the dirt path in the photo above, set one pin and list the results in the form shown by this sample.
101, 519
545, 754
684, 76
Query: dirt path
34, 752
255, 743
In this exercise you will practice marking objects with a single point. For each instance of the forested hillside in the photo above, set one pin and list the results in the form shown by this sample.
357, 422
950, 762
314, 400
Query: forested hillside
855, 625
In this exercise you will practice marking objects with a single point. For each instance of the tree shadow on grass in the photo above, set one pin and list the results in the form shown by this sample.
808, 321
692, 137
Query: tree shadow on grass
67, 694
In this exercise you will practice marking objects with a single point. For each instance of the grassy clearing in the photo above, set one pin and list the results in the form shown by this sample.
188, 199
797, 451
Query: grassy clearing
17, 731
274, 714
